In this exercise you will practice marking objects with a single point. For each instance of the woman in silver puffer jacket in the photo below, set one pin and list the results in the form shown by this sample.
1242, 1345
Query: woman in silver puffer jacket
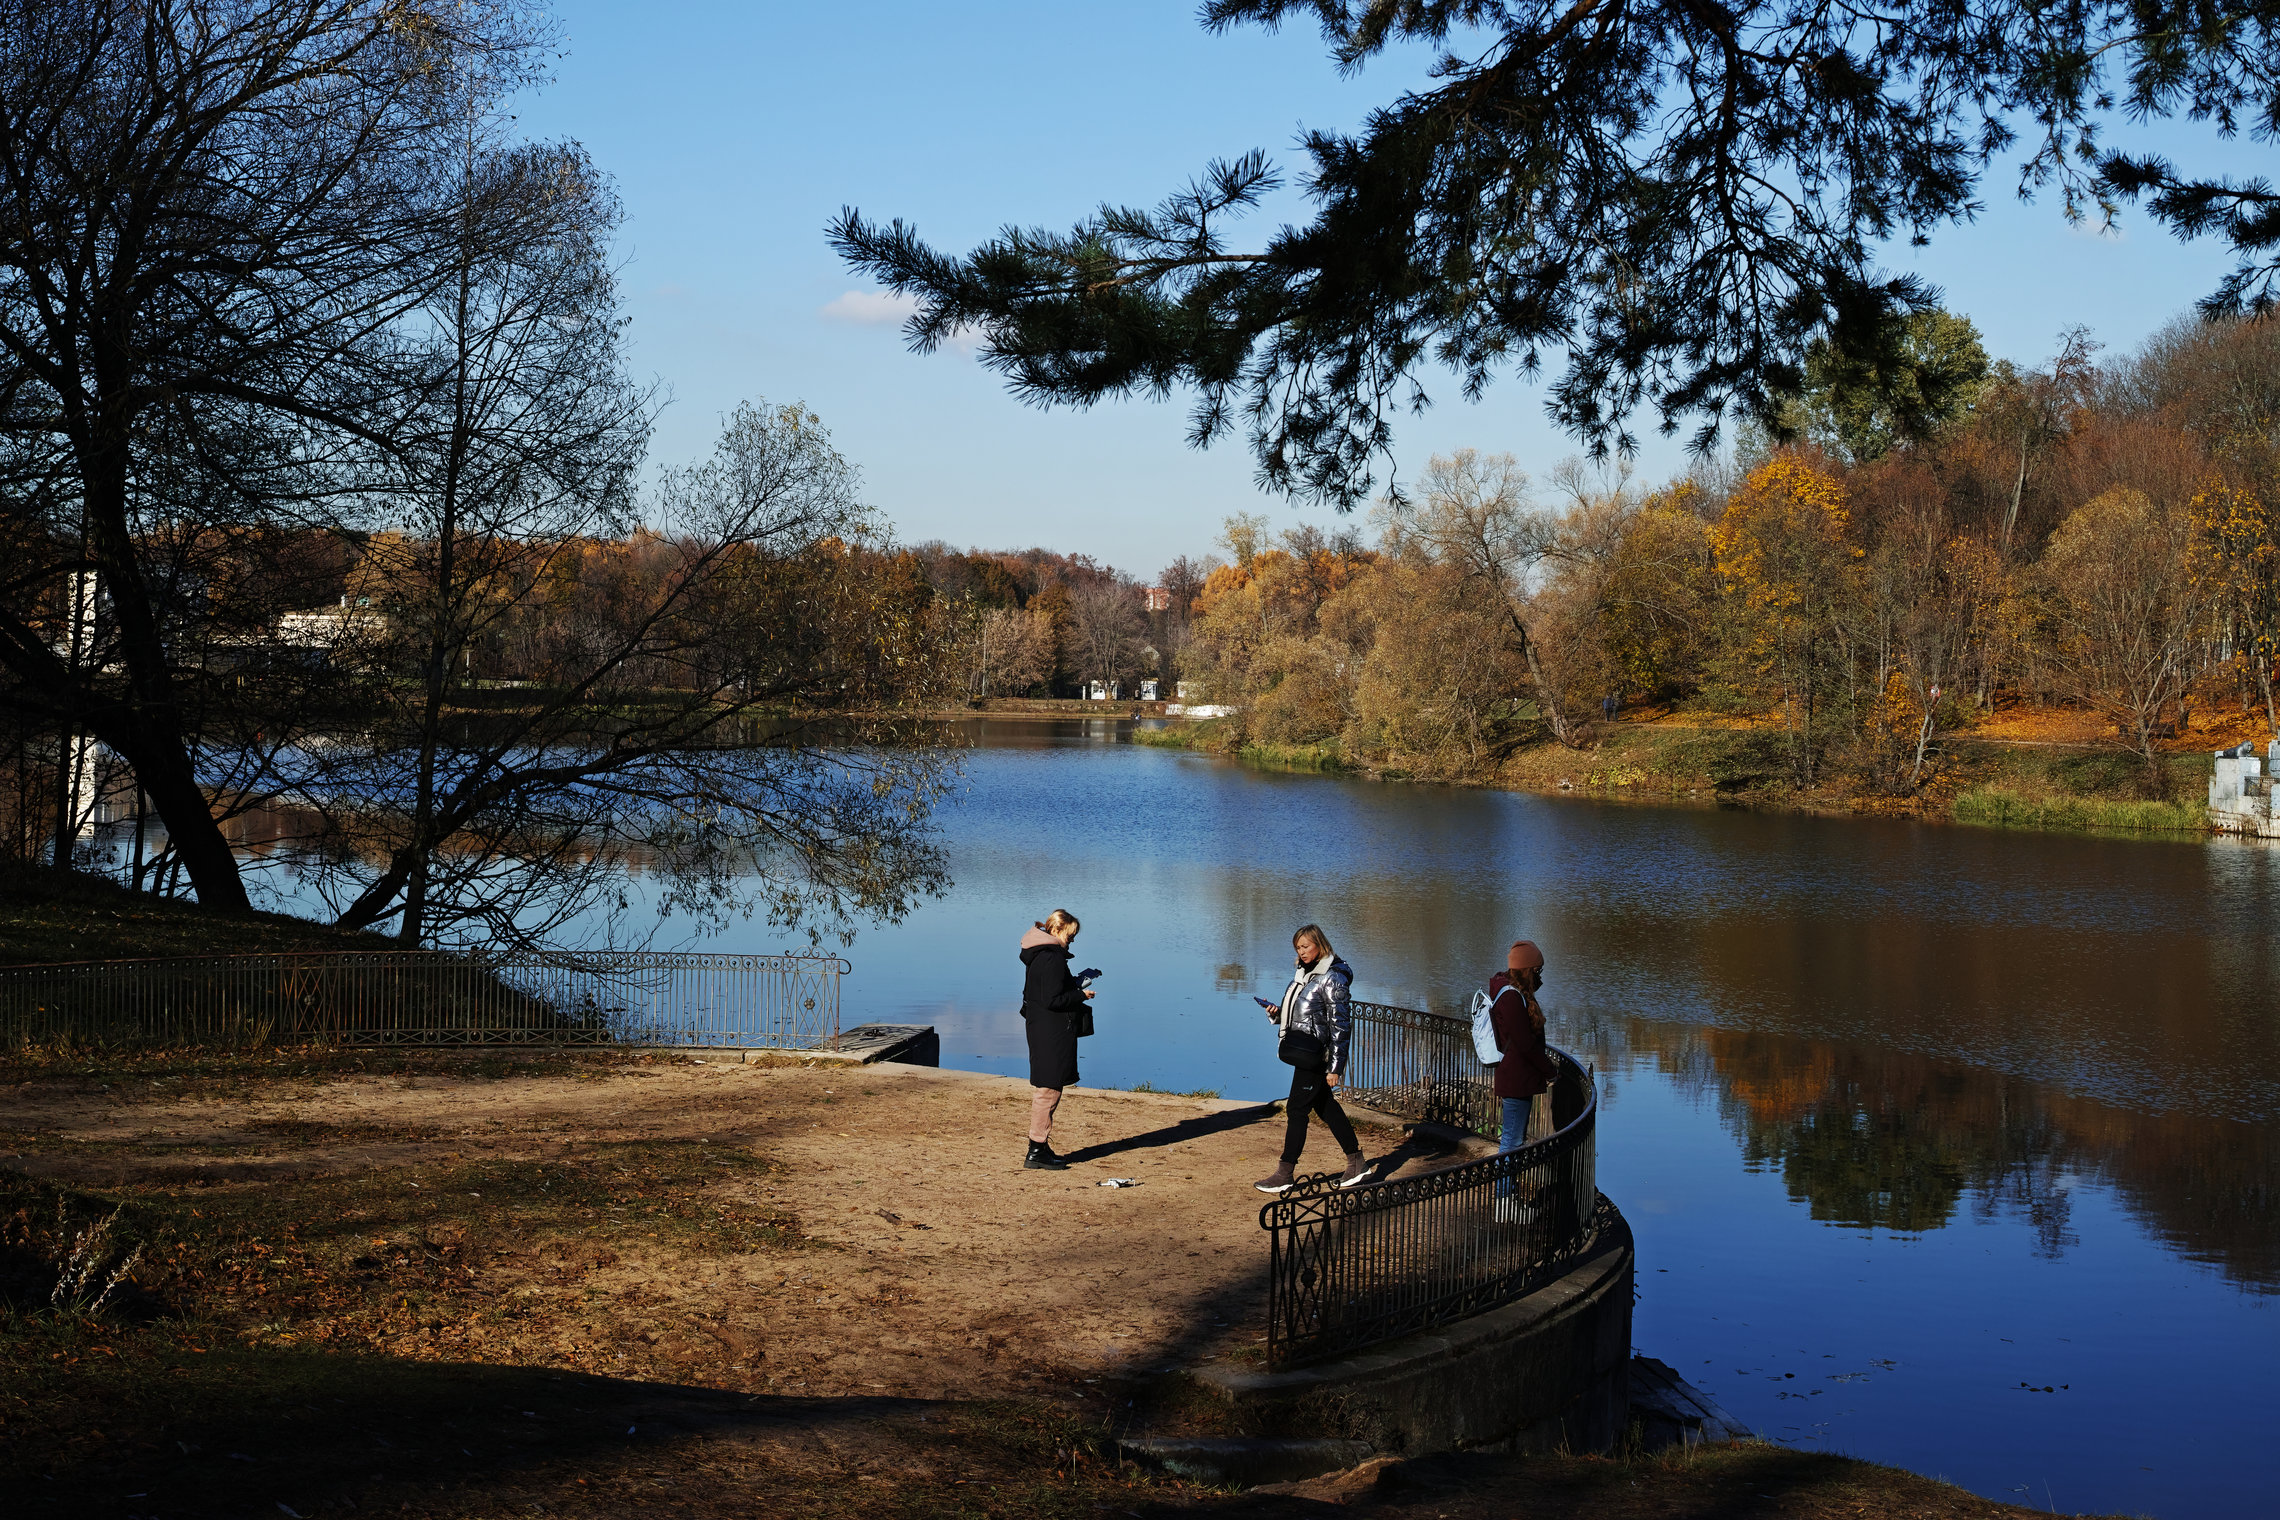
1316, 1026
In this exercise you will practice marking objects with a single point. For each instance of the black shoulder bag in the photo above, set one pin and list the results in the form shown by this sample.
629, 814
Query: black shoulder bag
1302, 1050
1080, 1022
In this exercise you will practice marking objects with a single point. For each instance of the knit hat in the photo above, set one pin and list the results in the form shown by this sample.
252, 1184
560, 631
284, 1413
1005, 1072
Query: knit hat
1524, 956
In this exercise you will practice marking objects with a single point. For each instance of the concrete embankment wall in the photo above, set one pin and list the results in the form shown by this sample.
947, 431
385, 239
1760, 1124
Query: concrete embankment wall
1549, 1370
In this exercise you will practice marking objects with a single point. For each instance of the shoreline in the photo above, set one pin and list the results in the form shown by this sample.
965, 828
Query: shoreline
1982, 782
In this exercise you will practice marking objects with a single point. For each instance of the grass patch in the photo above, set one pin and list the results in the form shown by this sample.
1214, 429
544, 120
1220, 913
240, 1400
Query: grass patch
1216, 736
1325, 758
1650, 760
2006, 807
1174, 1092
1225, 736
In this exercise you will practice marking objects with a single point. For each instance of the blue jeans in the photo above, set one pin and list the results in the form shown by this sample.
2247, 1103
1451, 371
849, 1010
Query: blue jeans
1512, 1136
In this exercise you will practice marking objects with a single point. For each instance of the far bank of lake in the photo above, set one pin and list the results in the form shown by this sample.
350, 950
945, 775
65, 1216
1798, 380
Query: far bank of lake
1976, 781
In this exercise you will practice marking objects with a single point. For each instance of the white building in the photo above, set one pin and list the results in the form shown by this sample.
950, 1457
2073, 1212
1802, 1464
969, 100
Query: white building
2241, 791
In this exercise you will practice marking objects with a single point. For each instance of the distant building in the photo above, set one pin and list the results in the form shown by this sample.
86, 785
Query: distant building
322, 630
1159, 599
2243, 796
1149, 691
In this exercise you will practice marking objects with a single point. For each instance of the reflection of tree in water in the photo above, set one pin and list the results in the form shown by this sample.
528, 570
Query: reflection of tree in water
1869, 1137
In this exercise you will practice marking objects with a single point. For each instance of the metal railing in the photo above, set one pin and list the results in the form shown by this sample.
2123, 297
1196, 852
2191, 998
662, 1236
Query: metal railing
426, 998
1350, 1267
1418, 1065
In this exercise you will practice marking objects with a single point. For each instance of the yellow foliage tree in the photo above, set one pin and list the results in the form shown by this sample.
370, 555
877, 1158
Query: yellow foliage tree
1788, 572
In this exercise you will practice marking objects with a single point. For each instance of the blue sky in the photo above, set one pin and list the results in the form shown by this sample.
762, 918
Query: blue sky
735, 132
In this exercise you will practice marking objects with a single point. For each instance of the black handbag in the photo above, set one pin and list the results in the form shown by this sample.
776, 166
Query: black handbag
1302, 1050
1080, 1022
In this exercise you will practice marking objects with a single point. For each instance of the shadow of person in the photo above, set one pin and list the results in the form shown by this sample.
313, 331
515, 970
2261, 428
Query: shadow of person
1428, 1152
1177, 1134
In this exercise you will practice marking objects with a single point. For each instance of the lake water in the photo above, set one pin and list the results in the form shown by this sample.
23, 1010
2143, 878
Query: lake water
1943, 1147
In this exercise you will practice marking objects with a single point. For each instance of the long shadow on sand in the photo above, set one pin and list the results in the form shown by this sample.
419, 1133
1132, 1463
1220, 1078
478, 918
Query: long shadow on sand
1176, 1134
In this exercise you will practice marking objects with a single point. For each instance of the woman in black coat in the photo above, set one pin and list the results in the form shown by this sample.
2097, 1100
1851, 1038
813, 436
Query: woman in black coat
1053, 1004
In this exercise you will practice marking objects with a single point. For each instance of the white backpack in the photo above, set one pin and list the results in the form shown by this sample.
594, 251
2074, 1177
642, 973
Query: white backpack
1484, 1028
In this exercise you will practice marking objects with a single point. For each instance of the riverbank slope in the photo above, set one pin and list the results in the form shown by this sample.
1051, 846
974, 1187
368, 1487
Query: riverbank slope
587, 1285
48, 915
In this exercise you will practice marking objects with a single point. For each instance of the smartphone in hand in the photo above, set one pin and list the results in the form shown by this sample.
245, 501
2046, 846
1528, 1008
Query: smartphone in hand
1267, 1003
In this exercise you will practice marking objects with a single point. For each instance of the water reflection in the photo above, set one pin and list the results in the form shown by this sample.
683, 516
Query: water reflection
1875, 1138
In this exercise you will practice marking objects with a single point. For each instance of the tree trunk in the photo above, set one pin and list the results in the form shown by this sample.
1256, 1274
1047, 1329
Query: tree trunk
2018, 490
189, 818
1546, 703
153, 738
66, 772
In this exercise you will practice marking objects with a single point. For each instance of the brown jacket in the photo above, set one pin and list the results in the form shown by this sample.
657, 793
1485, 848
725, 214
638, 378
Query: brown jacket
1526, 1069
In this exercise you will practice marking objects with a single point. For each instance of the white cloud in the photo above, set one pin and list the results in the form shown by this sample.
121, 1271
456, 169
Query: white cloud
880, 308
870, 308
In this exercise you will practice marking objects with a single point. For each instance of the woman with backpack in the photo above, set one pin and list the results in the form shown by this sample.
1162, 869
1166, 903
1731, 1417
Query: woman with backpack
1053, 1006
1316, 1024
1525, 1067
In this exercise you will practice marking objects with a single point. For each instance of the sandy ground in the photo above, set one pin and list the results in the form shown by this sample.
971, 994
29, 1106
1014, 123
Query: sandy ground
939, 1267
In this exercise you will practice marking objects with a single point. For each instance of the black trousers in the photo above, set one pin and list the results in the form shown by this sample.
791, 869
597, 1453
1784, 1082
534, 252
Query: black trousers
1310, 1094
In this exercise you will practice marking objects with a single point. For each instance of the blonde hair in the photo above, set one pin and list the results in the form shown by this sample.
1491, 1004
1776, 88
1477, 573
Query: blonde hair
1059, 919
1314, 933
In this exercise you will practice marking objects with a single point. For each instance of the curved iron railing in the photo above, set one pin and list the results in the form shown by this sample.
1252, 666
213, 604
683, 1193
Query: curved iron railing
1419, 1065
1350, 1267
413, 997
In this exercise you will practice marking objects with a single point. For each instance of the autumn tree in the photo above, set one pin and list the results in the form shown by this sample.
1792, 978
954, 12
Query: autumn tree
1473, 512
1789, 575
2127, 616
1654, 594
1257, 619
2239, 569
1931, 595
1437, 679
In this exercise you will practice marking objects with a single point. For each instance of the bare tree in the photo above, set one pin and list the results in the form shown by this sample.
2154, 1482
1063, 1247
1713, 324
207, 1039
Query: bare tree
1474, 511
1108, 624
213, 215
689, 702
1010, 651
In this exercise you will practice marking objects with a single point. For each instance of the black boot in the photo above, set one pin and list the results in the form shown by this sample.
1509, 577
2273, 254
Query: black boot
1042, 1159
